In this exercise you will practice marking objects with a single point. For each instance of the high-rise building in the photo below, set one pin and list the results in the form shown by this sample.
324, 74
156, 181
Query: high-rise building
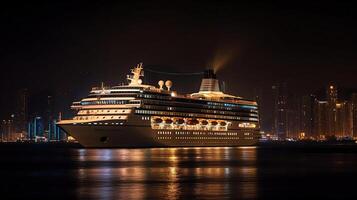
50, 108
280, 110
320, 119
293, 117
348, 132
307, 113
21, 114
343, 123
339, 125
7, 130
354, 114
258, 98
331, 96
36, 128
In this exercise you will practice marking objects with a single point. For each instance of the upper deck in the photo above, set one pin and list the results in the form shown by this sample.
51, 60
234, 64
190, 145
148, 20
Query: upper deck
127, 94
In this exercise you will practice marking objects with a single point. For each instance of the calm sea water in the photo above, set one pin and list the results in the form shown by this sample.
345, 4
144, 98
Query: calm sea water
61, 172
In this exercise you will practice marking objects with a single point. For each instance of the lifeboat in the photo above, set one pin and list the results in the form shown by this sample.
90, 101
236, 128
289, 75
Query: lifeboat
204, 122
158, 120
168, 121
222, 123
192, 122
179, 121
214, 123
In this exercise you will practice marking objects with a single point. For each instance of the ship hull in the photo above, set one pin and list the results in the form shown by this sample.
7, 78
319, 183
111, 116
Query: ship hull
144, 136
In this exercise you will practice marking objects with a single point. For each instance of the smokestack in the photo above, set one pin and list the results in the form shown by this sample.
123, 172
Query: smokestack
209, 82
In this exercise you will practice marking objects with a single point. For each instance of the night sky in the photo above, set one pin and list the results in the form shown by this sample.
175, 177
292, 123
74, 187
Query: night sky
63, 49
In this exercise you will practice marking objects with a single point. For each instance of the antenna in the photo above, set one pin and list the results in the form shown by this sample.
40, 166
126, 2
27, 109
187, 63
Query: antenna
136, 73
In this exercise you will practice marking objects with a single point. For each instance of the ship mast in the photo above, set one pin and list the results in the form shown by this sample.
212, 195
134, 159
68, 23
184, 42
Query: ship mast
136, 73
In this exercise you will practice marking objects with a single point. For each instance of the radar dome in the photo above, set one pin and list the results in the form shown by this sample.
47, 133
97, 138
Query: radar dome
161, 84
168, 84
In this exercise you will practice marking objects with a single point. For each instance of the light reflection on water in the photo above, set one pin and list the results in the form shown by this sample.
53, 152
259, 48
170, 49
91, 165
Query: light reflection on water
167, 173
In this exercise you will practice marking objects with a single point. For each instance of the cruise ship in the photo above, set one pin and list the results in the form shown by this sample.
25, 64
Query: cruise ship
141, 115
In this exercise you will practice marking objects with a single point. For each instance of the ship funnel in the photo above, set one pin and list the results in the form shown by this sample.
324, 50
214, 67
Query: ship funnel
209, 82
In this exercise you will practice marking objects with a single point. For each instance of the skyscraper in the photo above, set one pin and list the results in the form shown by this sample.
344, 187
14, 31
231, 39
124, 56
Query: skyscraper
331, 96
293, 116
320, 119
348, 120
339, 125
280, 110
21, 114
49, 117
354, 114
7, 130
307, 113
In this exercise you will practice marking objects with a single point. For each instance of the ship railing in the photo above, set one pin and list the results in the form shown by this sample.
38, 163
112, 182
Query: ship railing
101, 88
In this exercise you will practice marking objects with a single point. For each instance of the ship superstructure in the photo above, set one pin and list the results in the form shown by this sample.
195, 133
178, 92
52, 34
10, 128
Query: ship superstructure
139, 115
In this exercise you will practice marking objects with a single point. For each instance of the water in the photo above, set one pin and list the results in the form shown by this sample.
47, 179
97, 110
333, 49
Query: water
47, 172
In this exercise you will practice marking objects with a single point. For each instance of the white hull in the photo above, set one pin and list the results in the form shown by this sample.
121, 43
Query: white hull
134, 136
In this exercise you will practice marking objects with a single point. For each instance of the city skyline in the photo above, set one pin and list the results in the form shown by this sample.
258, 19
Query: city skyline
306, 116
312, 116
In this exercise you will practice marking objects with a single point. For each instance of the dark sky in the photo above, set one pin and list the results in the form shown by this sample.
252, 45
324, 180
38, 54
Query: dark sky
63, 49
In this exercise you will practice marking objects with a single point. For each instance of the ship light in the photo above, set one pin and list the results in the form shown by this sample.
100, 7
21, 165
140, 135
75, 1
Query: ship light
173, 94
70, 138
247, 125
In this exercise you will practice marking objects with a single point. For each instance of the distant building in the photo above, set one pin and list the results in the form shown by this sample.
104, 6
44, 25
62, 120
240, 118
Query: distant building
280, 110
307, 113
348, 120
293, 116
343, 121
54, 133
49, 111
331, 95
258, 98
8, 132
7, 128
21, 114
320, 119
354, 114
36, 128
